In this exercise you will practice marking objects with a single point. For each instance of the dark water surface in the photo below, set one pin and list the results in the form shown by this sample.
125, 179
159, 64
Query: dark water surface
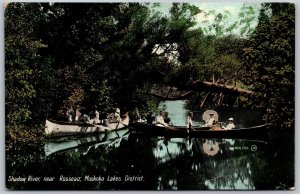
126, 160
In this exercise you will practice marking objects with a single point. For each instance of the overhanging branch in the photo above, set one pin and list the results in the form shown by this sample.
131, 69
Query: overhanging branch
216, 88
162, 97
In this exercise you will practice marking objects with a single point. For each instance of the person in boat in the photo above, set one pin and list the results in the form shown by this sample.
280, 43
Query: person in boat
231, 124
117, 109
69, 114
167, 119
150, 118
83, 116
159, 120
75, 112
211, 120
118, 114
136, 117
189, 120
115, 116
94, 115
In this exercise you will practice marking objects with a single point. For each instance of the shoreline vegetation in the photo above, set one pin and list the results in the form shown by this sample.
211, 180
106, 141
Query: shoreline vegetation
16, 135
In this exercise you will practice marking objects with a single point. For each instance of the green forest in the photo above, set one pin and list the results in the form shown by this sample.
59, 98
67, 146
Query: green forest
132, 54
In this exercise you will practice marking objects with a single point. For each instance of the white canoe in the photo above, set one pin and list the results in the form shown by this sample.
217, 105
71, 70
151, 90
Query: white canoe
57, 128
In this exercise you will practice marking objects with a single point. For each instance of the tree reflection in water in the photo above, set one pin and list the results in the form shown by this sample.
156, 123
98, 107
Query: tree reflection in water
202, 164
164, 163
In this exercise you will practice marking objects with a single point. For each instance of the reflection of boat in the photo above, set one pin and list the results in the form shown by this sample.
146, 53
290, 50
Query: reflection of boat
256, 132
226, 147
108, 138
210, 147
57, 128
168, 149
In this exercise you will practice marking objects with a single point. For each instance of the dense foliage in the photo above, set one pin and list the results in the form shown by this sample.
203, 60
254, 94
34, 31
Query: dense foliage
62, 54
270, 64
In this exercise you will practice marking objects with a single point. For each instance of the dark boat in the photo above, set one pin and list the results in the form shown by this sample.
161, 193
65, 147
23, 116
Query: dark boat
256, 132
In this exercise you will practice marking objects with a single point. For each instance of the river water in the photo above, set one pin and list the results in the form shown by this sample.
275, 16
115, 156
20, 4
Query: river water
125, 160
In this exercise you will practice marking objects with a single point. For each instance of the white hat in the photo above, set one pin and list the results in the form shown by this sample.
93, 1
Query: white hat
230, 119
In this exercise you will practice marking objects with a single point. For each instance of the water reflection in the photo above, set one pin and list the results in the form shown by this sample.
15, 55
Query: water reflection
83, 145
168, 149
164, 163
216, 164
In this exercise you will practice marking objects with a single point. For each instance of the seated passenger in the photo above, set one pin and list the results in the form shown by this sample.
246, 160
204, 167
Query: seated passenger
230, 124
167, 119
159, 120
211, 120
75, 113
114, 117
136, 117
94, 115
69, 114
150, 118
83, 117
189, 122
116, 108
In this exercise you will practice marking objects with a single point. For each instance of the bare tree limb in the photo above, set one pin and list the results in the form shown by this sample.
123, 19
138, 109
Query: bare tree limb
163, 97
216, 88
203, 101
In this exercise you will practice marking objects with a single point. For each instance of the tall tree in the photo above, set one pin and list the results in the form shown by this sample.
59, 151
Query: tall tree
270, 64
22, 61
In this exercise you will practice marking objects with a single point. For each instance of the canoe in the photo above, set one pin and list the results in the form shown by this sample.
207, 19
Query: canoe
84, 144
256, 132
58, 128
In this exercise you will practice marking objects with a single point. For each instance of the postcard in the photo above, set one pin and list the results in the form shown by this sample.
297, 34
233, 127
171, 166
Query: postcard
149, 96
